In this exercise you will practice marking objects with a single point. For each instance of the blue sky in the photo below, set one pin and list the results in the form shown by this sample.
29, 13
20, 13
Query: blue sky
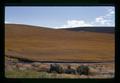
61, 16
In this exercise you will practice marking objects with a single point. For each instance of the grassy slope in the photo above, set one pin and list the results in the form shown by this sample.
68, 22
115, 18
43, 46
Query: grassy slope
57, 45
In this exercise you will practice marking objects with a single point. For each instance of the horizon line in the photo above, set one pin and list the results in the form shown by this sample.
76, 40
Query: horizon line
55, 28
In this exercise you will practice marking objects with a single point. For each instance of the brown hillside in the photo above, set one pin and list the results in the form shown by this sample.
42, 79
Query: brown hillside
44, 44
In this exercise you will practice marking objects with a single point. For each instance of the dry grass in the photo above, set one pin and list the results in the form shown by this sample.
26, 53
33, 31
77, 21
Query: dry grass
43, 75
58, 45
16, 69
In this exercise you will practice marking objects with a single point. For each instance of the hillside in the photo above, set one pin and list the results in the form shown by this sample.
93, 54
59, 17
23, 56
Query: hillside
92, 29
45, 44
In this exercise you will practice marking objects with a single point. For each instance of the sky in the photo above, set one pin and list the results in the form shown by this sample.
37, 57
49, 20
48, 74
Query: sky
61, 16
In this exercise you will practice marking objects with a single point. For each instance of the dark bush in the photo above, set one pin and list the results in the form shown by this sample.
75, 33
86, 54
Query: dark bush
56, 68
69, 70
83, 70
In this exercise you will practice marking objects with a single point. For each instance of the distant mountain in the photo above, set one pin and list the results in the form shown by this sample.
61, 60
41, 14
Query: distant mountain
92, 29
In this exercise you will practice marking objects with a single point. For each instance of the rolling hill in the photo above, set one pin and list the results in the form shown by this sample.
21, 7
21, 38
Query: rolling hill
92, 29
45, 44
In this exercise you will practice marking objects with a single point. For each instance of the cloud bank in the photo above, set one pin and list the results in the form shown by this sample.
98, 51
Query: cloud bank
106, 19
75, 23
103, 20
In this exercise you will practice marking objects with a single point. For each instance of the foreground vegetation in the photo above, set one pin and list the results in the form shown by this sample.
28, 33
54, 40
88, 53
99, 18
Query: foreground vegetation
44, 75
35, 74
16, 69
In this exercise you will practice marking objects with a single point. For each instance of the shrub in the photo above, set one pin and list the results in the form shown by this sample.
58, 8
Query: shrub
56, 68
83, 70
69, 70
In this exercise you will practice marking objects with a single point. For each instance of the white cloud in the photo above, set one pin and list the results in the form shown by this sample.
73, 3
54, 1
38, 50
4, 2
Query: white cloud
105, 20
110, 12
99, 19
102, 20
75, 23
